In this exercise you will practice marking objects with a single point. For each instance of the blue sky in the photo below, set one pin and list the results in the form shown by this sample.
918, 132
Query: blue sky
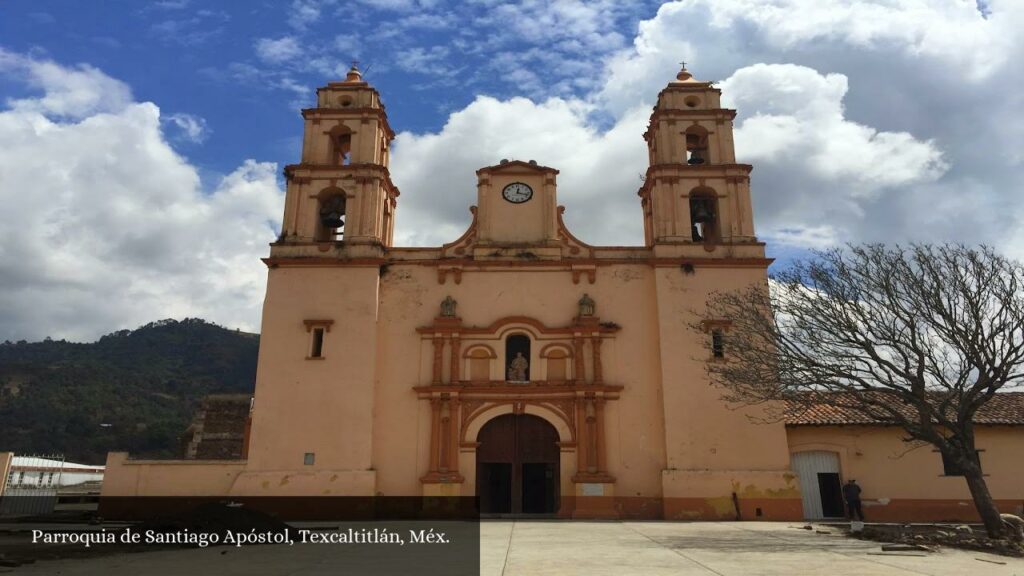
204, 59
142, 143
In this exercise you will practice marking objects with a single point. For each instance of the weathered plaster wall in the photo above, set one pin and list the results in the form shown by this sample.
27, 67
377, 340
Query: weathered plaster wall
322, 406
902, 481
126, 477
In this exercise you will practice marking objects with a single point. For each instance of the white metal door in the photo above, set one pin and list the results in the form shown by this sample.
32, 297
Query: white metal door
807, 465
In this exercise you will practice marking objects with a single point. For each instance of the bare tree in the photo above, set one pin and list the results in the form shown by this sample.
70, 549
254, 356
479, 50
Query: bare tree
919, 337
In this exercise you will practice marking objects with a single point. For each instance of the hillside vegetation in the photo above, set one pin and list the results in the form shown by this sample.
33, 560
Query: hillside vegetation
132, 390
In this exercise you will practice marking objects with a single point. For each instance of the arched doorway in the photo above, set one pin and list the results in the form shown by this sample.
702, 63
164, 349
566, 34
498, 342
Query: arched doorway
517, 466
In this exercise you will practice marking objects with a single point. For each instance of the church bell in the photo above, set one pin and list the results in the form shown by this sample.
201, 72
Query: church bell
332, 220
701, 213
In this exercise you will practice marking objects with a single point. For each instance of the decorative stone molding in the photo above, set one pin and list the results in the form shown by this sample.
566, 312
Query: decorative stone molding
325, 324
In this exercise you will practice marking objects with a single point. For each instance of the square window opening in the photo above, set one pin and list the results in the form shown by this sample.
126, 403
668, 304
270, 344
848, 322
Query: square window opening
309, 459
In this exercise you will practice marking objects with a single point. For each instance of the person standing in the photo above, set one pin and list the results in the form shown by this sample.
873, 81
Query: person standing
851, 493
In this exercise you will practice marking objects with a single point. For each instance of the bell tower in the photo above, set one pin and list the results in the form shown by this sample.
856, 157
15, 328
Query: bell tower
694, 192
340, 197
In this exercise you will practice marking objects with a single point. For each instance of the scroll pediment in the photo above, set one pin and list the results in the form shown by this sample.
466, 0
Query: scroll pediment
466, 246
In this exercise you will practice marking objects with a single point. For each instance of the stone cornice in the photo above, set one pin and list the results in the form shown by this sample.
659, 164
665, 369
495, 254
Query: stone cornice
566, 264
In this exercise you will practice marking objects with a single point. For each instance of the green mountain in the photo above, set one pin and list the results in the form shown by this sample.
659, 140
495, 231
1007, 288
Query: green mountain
133, 390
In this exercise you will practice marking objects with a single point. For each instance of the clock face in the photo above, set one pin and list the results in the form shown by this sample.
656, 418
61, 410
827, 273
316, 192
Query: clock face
517, 193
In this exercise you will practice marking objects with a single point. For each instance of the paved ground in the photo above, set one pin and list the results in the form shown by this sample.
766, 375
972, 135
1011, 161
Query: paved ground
705, 548
587, 548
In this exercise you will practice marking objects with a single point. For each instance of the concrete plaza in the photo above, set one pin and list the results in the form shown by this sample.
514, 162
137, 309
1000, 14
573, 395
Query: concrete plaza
537, 548
708, 548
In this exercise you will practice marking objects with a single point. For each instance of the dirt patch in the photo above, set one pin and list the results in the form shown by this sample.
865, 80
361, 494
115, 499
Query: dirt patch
932, 536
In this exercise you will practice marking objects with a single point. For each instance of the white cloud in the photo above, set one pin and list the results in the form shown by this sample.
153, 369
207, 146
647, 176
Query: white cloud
348, 44
278, 51
107, 226
69, 92
193, 128
302, 13
794, 117
599, 171
423, 60
952, 30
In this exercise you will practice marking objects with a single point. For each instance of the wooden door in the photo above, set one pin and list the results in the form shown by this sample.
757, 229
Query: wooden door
517, 466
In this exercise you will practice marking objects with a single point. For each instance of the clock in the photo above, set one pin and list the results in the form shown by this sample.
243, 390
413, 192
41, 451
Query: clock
517, 193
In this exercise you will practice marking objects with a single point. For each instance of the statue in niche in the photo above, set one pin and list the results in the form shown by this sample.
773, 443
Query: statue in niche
586, 305
517, 368
448, 307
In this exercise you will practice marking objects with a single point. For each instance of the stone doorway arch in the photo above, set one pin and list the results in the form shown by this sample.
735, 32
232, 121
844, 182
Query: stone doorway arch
517, 466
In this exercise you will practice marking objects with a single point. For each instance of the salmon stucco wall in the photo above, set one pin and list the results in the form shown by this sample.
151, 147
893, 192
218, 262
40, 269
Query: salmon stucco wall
905, 482
124, 477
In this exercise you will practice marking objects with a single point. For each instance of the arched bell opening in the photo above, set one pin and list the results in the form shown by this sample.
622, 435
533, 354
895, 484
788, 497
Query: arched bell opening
696, 145
331, 217
341, 145
703, 215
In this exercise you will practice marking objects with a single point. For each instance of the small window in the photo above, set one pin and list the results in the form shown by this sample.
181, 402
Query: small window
309, 459
317, 329
951, 468
717, 344
317, 349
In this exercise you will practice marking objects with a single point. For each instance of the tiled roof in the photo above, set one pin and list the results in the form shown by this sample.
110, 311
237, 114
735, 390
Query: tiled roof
833, 409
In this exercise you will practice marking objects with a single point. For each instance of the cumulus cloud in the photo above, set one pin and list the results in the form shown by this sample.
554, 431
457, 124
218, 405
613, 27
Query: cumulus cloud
821, 166
73, 93
278, 51
106, 226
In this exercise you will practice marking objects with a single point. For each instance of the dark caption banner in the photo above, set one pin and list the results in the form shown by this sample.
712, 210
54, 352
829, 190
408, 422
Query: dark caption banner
274, 535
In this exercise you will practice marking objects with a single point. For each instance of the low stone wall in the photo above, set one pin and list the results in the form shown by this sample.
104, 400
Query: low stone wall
125, 477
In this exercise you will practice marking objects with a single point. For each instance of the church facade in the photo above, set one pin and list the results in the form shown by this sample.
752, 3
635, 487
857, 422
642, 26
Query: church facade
516, 363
